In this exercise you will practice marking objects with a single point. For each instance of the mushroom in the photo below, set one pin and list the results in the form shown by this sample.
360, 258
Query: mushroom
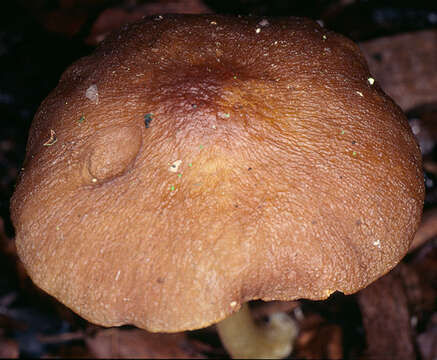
201, 162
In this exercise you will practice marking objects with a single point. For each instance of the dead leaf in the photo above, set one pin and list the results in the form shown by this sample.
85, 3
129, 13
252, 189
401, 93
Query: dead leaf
135, 343
8, 348
404, 66
113, 18
319, 339
386, 318
427, 229
427, 341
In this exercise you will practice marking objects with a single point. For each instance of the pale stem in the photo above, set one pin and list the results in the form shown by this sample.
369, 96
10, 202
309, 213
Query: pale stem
244, 339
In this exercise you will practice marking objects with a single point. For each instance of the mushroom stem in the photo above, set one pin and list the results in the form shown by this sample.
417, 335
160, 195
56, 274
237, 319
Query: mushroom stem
245, 339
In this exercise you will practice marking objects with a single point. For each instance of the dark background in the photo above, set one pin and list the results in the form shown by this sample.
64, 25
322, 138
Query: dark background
394, 318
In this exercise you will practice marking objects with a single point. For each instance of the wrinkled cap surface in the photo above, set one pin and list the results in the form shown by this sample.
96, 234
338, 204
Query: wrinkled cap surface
192, 163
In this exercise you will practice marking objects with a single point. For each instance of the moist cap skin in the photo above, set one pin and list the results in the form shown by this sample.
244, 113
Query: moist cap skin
193, 163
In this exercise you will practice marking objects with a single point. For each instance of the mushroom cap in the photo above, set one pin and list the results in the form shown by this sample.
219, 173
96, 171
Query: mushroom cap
193, 163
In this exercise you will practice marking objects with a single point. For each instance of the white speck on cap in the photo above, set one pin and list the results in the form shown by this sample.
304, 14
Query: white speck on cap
264, 22
175, 166
360, 93
92, 94
371, 80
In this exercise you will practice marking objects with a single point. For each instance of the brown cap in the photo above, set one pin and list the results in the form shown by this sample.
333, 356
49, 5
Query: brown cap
193, 163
